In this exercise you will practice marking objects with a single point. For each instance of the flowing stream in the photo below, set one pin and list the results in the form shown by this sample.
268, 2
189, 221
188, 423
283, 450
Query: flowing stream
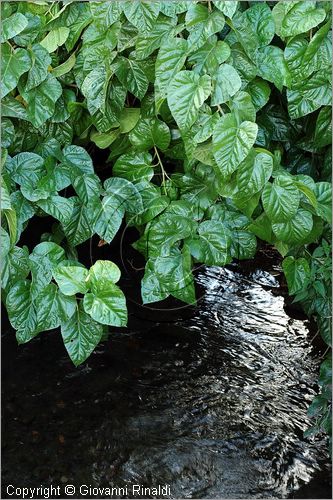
213, 405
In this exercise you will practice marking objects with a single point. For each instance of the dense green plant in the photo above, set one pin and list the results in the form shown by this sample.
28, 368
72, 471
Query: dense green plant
217, 119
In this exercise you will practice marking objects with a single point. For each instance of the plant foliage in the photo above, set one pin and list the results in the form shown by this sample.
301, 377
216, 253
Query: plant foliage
217, 119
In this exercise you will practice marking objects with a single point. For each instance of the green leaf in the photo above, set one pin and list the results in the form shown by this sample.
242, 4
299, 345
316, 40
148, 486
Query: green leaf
323, 192
55, 38
154, 204
81, 334
79, 227
105, 12
254, 172
174, 274
87, 186
23, 208
77, 160
30, 32
103, 270
201, 24
13, 64
226, 6
53, 308
259, 91
232, 142
244, 245
107, 216
43, 259
211, 246
241, 105
208, 57
260, 20
323, 131
114, 104
59, 207
148, 41
151, 287
262, 228
150, 132
103, 141
170, 60
65, 67
12, 26
131, 75
204, 126
7, 132
21, 311
186, 93
94, 88
166, 231
300, 18
126, 192
14, 266
5, 243
134, 167
40, 61
13, 108
107, 305
280, 199
141, 13
308, 96
128, 118
42, 100
295, 230
297, 273
71, 279
273, 67
226, 84
27, 167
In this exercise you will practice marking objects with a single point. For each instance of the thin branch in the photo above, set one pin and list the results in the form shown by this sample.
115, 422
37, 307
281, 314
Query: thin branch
220, 109
164, 174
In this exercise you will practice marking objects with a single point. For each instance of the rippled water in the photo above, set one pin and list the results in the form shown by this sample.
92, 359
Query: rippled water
214, 405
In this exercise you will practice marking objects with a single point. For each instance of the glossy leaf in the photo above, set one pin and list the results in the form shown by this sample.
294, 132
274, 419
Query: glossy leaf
212, 244
150, 132
42, 100
55, 38
323, 192
296, 229
232, 142
134, 167
21, 311
40, 60
80, 334
297, 273
299, 18
273, 67
280, 199
170, 60
71, 279
12, 26
226, 84
254, 172
186, 93
14, 63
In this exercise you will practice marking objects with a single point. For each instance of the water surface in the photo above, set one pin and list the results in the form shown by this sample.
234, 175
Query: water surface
213, 403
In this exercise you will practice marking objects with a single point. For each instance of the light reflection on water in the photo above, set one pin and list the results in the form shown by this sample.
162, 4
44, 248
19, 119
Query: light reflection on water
215, 405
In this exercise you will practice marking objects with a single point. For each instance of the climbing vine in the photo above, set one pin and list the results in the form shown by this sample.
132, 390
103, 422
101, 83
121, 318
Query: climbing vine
216, 117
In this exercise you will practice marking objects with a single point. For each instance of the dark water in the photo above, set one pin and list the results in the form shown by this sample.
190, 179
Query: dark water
213, 405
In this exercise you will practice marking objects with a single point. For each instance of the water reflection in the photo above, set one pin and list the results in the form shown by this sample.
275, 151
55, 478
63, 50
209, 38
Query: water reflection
214, 405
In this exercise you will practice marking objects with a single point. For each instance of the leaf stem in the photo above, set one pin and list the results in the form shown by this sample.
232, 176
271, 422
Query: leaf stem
164, 174
220, 109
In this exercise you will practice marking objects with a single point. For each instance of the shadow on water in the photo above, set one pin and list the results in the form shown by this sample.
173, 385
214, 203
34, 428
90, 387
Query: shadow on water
213, 404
